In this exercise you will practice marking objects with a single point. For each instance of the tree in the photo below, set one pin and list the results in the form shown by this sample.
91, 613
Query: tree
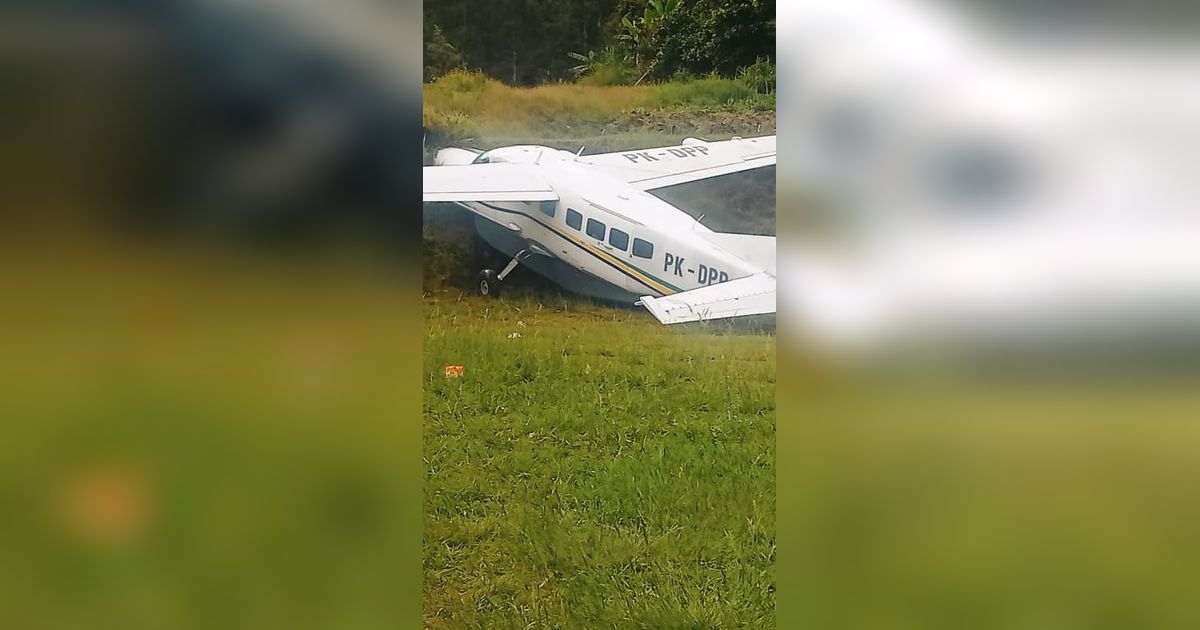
520, 41
529, 41
440, 55
718, 36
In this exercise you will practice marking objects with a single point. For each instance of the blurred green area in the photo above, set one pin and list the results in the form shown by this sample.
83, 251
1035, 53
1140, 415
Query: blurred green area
202, 436
209, 414
946, 499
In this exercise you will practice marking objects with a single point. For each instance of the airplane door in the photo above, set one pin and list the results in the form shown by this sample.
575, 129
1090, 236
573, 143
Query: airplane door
618, 242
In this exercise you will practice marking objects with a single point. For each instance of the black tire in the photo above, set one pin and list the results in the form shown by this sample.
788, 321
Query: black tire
487, 284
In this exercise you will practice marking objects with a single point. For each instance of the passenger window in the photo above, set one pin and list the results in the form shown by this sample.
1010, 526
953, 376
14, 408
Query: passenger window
574, 219
618, 239
643, 249
547, 208
595, 229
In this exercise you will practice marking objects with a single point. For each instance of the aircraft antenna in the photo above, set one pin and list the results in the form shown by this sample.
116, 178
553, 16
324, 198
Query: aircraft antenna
580, 151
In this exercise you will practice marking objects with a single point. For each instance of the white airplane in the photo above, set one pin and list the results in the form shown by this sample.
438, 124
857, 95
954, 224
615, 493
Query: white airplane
588, 223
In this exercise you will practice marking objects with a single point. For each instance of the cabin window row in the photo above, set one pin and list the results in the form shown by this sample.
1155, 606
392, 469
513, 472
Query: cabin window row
617, 238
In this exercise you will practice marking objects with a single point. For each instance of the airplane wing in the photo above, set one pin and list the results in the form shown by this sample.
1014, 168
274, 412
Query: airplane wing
649, 169
752, 295
485, 182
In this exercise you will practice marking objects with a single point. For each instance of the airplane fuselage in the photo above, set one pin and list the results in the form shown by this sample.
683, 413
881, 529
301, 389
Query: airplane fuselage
625, 237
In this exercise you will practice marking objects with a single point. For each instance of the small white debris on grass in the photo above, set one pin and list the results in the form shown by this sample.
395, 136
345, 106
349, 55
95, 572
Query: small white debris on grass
515, 335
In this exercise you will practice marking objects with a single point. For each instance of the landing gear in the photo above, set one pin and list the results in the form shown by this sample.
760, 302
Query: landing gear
489, 281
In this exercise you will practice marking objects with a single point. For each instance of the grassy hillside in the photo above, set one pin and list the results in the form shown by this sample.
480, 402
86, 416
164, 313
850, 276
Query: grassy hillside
598, 470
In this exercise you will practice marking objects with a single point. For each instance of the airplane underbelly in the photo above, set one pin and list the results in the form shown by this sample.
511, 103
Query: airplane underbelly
567, 271
510, 231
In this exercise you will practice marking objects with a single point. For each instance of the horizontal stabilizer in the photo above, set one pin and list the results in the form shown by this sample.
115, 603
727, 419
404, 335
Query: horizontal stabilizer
752, 295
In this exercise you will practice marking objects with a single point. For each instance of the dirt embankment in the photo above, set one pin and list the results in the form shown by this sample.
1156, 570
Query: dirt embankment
633, 129
709, 122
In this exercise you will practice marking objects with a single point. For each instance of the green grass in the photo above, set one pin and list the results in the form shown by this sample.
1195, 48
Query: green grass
599, 470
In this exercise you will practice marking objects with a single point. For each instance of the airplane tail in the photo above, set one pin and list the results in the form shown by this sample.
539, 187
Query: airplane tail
752, 248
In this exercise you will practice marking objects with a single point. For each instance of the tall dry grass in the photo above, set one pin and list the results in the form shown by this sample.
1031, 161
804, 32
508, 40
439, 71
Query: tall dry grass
462, 103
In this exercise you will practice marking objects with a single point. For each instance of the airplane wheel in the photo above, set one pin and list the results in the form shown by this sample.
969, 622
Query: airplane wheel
488, 283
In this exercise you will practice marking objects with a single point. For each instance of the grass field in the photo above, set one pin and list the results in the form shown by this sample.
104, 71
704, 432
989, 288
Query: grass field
597, 470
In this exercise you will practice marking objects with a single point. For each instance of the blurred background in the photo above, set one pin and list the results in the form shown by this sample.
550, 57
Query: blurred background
987, 402
208, 237
989, 214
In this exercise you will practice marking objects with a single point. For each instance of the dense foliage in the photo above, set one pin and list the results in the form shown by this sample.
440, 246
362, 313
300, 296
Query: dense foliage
528, 42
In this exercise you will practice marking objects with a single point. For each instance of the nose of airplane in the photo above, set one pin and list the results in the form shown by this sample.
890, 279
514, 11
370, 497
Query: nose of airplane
454, 157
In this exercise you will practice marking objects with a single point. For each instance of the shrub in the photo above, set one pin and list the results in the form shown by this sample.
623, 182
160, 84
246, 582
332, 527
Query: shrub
611, 66
759, 76
683, 75
707, 92
462, 81
449, 126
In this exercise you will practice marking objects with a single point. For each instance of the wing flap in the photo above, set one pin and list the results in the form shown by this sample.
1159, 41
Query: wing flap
485, 182
752, 295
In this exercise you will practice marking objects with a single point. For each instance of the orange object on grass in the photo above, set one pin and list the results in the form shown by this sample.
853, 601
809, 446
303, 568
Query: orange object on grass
455, 370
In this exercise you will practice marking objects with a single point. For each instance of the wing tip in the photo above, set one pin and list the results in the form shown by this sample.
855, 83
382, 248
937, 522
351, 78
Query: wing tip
650, 304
